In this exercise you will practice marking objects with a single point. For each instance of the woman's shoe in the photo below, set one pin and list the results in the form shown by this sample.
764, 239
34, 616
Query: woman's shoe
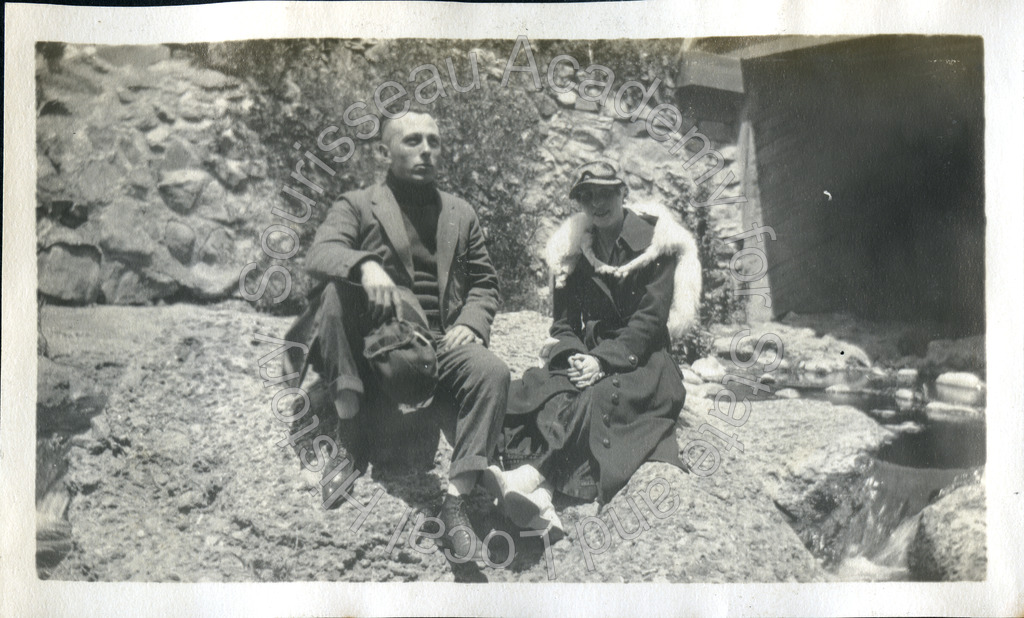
500, 483
550, 523
493, 481
533, 511
547, 519
513, 494
522, 508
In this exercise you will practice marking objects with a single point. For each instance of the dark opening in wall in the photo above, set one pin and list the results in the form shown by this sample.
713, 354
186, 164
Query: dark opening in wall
870, 162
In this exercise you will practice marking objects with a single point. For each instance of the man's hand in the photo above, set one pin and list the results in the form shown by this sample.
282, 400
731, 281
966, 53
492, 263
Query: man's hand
584, 370
460, 334
381, 292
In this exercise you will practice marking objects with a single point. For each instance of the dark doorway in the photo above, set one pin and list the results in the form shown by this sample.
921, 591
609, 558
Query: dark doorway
870, 160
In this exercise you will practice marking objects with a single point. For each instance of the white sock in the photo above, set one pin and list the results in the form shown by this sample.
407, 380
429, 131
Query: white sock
546, 490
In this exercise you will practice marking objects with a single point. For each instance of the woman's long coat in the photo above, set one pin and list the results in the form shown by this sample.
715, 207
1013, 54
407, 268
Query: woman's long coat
622, 322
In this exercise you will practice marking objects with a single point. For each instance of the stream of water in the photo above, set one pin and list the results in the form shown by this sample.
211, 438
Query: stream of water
907, 473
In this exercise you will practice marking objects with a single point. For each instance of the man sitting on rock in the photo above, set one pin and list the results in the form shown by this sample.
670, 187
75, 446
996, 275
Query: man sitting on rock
377, 248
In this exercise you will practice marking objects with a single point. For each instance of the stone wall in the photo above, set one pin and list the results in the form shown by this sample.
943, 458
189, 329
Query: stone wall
149, 181
153, 185
579, 130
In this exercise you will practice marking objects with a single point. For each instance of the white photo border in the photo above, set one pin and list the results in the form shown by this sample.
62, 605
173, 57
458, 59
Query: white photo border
998, 22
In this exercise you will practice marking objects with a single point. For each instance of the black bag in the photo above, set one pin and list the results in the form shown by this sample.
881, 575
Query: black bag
403, 356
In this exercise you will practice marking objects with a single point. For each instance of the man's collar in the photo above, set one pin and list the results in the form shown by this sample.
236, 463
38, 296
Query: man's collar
404, 190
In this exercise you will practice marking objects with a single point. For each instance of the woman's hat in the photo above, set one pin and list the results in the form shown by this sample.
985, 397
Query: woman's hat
600, 173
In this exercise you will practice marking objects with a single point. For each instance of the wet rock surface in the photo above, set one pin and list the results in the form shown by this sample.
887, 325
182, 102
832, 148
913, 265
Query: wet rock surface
185, 475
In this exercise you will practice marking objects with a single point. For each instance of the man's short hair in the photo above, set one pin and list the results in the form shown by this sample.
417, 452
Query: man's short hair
415, 107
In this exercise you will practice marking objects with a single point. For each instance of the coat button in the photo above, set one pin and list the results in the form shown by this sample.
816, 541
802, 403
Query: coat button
607, 443
607, 420
615, 399
615, 382
632, 359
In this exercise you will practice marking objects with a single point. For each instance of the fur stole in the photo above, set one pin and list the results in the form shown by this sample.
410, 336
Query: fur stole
572, 239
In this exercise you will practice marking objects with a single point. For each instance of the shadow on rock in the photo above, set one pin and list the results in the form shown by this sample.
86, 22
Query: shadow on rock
468, 573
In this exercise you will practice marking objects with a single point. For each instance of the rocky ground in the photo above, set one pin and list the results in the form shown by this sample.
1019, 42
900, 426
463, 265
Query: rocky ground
181, 478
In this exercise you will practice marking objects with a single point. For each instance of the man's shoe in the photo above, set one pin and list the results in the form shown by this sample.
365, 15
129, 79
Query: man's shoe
457, 534
342, 470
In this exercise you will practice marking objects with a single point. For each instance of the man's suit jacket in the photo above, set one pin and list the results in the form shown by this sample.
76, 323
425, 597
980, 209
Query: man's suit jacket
367, 225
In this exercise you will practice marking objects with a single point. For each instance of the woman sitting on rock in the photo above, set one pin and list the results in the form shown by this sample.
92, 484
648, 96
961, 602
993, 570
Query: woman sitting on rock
624, 280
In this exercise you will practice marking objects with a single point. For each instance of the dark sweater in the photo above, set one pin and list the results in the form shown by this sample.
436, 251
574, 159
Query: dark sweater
421, 207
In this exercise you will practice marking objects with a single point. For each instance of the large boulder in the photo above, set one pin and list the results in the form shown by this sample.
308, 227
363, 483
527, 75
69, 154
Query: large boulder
739, 524
70, 273
950, 544
670, 526
127, 285
967, 354
802, 347
809, 457
180, 240
212, 281
231, 172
